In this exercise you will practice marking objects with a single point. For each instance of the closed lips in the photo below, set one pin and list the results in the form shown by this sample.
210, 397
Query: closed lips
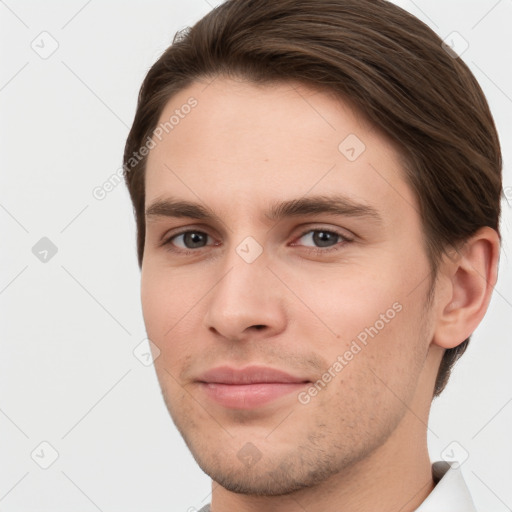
249, 375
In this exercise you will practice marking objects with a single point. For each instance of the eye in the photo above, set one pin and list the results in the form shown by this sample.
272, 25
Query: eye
315, 240
323, 240
187, 241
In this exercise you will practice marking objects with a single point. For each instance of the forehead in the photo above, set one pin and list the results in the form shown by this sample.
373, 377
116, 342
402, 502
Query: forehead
248, 144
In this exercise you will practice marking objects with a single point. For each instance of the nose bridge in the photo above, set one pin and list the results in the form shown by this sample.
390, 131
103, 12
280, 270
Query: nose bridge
245, 271
245, 296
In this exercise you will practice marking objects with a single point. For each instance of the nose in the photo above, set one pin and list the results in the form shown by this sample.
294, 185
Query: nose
246, 302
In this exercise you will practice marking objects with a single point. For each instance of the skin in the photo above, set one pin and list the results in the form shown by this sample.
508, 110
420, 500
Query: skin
360, 443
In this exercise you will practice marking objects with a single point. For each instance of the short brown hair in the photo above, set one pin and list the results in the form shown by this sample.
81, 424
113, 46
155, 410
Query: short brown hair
388, 64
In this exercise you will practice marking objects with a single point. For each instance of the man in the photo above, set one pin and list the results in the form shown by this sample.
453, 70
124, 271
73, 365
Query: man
316, 187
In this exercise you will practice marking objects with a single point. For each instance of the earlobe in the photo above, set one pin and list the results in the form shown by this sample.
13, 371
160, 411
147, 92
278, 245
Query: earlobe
472, 276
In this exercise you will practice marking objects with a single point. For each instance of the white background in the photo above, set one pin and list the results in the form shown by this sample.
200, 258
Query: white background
68, 375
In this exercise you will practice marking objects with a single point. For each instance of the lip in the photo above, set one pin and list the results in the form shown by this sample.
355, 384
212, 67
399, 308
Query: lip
249, 375
249, 387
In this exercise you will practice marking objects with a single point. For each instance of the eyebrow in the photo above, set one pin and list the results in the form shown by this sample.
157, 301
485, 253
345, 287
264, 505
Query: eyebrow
303, 206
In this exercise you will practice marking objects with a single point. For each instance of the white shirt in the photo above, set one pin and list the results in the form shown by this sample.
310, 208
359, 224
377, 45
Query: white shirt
449, 495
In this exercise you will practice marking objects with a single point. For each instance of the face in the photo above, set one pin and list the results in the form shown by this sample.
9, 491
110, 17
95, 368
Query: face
281, 235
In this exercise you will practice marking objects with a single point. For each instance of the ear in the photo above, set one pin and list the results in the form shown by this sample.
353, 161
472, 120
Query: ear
468, 282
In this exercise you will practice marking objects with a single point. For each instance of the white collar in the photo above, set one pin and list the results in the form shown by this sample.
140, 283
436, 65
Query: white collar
450, 493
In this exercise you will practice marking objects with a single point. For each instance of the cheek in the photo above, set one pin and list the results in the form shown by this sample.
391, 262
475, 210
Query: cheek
167, 295
347, 300
371, 375
155, 301
168, 299
365, 314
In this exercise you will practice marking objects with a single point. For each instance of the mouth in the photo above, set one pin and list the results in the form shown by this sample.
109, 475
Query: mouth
248, 388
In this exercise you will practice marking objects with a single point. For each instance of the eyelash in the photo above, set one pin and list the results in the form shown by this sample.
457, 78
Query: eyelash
315, 250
